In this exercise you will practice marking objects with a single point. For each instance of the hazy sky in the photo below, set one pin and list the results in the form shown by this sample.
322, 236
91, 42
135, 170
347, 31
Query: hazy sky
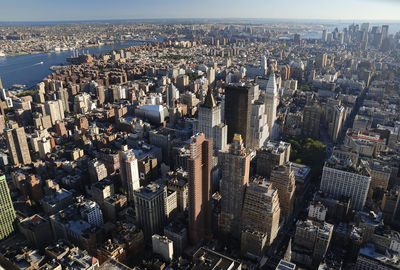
50, 10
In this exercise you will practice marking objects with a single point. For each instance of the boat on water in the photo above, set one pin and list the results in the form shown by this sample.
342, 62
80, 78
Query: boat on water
40, 63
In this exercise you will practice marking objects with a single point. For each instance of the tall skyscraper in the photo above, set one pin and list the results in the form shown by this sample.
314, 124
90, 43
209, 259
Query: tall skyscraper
151, 208
7, 214
261, 209
199, 165
335, 127
235, 166
311, 119
340, 179
238, 111
258, 126
271, 103
18, 146
283, 179
129, 172
211, 75
209, 122
324, 36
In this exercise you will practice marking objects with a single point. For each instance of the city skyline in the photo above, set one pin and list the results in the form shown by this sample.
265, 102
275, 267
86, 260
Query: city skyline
45, 10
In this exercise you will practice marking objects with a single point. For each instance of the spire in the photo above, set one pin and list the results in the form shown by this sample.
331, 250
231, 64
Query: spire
271, 85
209, 101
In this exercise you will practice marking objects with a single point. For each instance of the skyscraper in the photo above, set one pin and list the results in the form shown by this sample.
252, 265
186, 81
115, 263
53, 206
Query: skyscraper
199, 165
283, 179
151, 208
238, 111
311, 119
271, 103
209, 122
18, 146
55, 109
129, 172
235, 166
261, 209
335, 127
7, 214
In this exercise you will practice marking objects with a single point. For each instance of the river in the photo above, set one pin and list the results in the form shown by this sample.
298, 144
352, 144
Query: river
28, 70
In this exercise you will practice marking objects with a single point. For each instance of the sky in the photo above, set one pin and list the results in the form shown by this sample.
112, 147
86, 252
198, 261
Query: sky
67, 10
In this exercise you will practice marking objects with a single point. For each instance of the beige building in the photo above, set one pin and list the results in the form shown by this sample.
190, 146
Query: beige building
261, 209
283, 179
235, 166
18, 146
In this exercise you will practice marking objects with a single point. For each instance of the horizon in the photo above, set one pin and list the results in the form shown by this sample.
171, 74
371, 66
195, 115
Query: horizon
89, 10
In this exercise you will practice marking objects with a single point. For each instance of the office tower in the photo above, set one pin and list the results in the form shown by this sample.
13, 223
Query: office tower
172, 95
211, 75
365, 27
151, 207
385, 31
264, 65
199, 165
311, 119
272, 155
235, 166
311, 242
261, 209
18, 146
55, 109
209, 122
7, 214
283, 179
129, 172
258, 126
324, 36
238, 111
339, 179
271, 103
321, 60
335, 127
101, 94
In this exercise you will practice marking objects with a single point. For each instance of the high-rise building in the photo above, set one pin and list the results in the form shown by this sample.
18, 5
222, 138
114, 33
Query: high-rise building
311, 242
18, 146
91, 212
151, 208
7, 214
324, 35
235, 166
129, 172
199, 165
283, 179
209, 122
238, 111
55, 109
335, 127
271, 103
340, 179
258, 126
261, 209
211, 75
311, 119
321, 60
272, 155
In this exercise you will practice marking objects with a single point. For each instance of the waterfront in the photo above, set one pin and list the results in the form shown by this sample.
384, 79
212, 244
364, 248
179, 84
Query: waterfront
29, 70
